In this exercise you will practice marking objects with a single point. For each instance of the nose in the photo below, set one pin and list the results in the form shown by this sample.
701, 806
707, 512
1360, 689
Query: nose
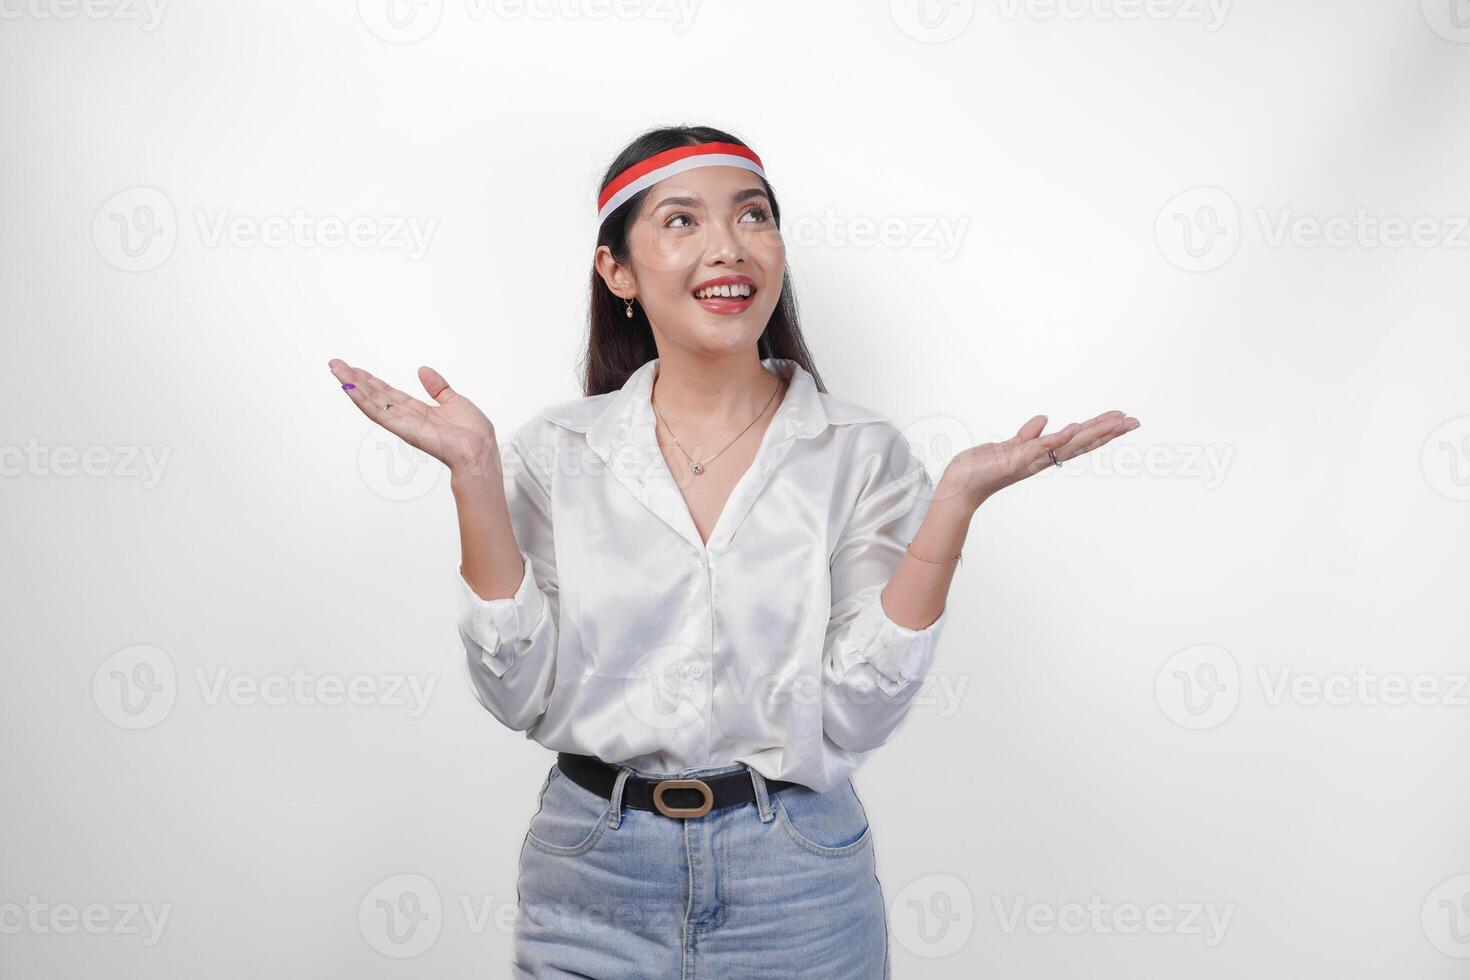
724, 246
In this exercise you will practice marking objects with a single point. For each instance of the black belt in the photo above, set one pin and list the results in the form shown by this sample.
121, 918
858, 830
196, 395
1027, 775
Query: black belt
666, 796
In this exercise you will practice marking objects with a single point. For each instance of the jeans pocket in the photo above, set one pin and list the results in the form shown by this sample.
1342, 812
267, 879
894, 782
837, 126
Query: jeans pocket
570, 819
831, 824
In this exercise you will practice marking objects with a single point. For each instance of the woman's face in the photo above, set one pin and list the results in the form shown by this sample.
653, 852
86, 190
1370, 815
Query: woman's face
710, 226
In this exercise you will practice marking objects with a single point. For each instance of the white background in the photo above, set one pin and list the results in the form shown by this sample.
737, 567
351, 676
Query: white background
1135, 199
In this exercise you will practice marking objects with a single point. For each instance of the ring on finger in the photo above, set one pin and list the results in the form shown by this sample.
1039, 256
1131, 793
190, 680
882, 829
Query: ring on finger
1053, 454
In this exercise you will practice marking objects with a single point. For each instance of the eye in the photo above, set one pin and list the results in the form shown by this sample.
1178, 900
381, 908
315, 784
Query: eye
669, 221
761, 214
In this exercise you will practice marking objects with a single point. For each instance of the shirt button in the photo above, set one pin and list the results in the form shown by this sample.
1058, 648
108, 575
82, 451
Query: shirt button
696, 671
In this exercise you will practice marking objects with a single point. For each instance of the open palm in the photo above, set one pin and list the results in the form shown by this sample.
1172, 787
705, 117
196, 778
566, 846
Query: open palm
981, 470
453, 430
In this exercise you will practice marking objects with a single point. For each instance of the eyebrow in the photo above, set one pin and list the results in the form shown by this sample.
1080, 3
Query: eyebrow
694, 202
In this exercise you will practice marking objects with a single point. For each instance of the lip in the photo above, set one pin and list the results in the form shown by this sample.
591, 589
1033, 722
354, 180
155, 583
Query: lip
726, 305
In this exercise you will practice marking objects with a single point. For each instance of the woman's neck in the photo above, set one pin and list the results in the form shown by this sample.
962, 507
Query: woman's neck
712, 394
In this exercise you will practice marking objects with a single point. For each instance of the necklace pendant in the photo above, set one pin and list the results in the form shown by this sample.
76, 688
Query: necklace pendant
698, 468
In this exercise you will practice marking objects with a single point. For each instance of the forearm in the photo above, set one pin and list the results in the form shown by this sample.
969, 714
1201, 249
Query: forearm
915, 595
490, 558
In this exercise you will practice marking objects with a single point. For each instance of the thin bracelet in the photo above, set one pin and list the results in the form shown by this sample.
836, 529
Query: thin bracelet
928, 561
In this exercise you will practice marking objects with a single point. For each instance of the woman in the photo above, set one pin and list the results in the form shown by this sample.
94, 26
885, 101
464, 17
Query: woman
709, 585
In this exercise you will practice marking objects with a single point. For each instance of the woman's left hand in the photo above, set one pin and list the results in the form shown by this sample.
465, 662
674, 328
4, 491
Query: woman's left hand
980, 471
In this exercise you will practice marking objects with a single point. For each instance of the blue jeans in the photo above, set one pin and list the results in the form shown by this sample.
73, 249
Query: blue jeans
784, 886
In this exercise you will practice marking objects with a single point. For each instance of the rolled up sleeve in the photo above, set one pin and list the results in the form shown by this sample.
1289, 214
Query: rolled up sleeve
874, 666
511, 642
497, 627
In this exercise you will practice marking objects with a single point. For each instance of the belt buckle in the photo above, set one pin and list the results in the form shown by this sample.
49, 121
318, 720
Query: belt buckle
682, 812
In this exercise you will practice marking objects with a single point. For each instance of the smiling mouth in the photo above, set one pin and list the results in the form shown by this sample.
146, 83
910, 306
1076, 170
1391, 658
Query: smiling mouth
729, 291
726, 299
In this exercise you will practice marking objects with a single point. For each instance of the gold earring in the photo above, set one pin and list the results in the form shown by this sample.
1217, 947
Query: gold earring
629, 308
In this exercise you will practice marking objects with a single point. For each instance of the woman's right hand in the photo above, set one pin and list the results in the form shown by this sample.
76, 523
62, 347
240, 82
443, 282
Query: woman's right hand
453, 431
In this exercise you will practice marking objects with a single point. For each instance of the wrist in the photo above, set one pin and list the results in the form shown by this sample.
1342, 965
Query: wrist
952, 511
959, 496
477, 464
477, 476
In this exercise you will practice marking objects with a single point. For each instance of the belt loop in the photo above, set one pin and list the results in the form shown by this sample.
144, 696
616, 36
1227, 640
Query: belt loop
762, 800
615, 817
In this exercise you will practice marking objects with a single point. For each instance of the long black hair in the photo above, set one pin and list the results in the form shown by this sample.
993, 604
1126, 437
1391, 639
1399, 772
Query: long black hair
618, 345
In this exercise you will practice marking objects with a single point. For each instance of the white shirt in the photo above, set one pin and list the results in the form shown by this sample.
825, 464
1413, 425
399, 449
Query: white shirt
630, 640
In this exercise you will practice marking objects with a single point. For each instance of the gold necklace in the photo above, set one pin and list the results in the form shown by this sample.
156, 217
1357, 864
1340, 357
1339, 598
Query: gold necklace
697, 466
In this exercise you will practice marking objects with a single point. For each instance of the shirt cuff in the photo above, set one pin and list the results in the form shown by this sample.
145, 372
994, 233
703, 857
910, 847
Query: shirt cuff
900, 655
496, 625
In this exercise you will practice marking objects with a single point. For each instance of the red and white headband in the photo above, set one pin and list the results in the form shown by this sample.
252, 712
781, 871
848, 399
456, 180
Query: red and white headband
644, 174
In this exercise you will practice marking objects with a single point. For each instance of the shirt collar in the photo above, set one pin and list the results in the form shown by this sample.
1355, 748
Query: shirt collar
629, 416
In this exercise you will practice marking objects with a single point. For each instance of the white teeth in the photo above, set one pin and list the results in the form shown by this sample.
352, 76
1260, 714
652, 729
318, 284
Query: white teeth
739, 290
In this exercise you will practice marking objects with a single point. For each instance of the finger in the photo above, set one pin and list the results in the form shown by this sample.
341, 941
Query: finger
389, 397
1054, 439
1115, 414
1053, 449
353, 383
1039, 455
1070, 432
1125, 425
379, 401
1030, 430
435, 384
1086, 442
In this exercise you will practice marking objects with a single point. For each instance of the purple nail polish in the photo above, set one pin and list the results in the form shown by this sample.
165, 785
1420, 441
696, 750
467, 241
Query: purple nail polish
348, 385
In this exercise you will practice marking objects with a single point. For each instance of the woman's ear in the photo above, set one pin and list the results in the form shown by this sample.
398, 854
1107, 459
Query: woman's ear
618, 277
